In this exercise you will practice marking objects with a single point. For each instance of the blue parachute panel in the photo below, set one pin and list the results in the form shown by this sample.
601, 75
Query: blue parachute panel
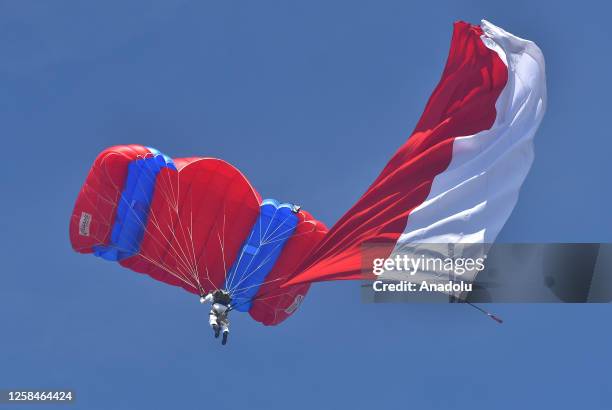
133, 207
275, 225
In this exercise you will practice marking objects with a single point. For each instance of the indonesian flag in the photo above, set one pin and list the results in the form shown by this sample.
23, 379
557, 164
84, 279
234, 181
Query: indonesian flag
458, 176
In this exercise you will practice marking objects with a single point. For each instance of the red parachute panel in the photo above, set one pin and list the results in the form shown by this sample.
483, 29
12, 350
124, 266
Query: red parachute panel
199, 218
92, 218
272, 305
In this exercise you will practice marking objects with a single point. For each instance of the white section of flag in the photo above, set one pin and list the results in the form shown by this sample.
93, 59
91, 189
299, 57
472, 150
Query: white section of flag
472, 199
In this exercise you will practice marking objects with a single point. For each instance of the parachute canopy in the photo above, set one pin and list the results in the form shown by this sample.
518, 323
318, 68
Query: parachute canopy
196, 223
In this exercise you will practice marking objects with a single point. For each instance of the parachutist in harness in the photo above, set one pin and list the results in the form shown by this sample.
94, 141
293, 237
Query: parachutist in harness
219, 312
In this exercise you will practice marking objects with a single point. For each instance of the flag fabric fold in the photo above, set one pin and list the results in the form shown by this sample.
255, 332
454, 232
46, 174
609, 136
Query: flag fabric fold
458, 176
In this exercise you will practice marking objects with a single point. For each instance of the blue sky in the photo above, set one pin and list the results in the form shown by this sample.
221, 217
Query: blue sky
308, 99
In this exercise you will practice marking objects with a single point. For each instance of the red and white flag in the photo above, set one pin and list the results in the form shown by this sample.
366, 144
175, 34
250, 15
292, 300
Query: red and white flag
458, 176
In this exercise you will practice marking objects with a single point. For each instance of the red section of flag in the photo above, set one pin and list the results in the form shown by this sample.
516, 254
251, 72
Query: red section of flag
462, 104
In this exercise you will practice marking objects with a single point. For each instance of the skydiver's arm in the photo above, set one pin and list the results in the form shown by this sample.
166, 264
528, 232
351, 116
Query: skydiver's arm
206, 299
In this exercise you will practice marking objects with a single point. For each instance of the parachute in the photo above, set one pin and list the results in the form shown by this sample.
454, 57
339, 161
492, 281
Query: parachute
196, 223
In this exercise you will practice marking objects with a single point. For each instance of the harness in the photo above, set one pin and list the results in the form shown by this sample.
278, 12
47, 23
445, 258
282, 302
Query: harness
222, 297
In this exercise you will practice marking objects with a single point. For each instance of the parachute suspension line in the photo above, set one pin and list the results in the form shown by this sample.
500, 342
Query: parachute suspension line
267, 227
155, 261
264, 239
240, 290
232, 274
195, 255
222, 245
172, 198
277, 228
489, 314
221, 238
170, 271
251, 272
156, 224
244, 302
233, 288
229, 283
279, 237
189, 262
109, 224
172, 205
177, 275
195, 262
208, 278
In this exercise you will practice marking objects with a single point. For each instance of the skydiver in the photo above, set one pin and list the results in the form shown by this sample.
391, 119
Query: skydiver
218, 317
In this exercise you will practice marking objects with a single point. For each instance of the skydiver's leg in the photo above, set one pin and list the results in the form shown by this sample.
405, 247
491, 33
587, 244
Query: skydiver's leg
212, 320
224, 330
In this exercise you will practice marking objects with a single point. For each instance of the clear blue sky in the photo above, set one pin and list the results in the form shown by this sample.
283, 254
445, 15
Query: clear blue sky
308, 99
